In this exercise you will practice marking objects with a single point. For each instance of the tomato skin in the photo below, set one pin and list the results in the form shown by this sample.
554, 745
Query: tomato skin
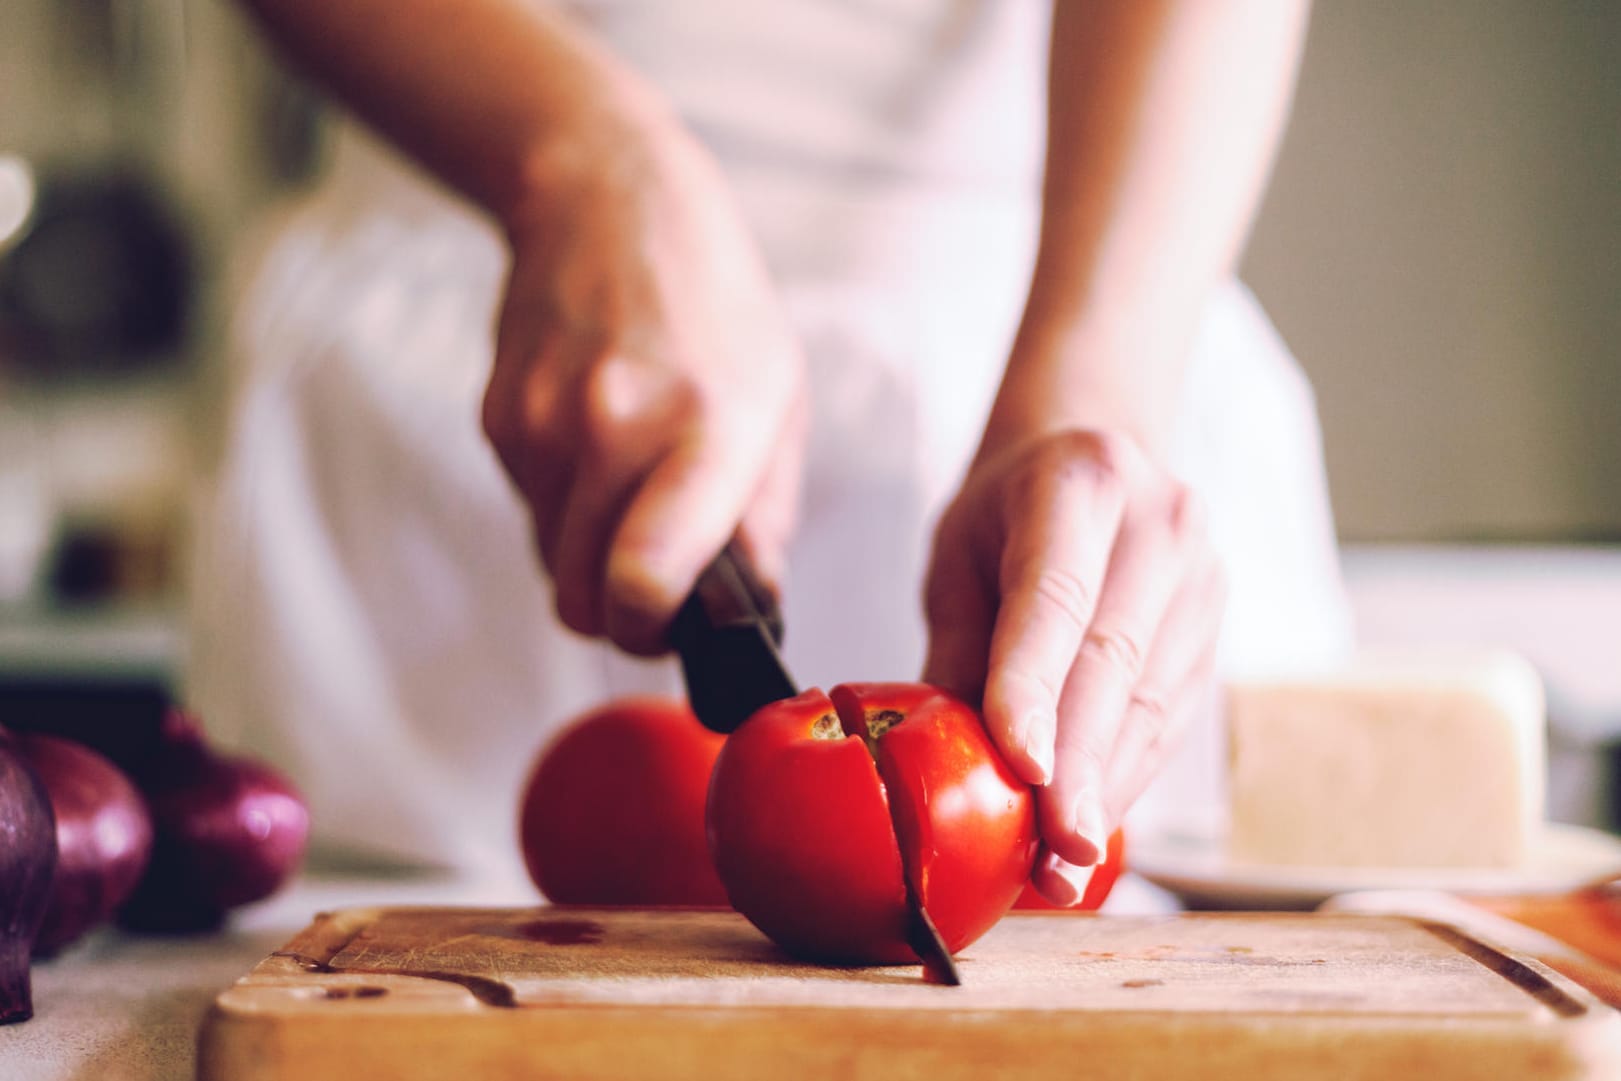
613, 810
801, 835
967, 825
808, 833
1098, 886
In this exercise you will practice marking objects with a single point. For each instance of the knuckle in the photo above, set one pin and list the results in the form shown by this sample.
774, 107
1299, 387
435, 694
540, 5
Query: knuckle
529, 435
1108, 449
1152, 713
1021, 683
538, 399
1022, 488
1116, 648
1090, 760
1107, 456
1103, 461
602, 405
1187, 515
1068, 452
625, 398
1068, 471
1160, 724
1112, 485
1063, 593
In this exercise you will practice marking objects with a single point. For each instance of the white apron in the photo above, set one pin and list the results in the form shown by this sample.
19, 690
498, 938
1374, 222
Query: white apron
368, 611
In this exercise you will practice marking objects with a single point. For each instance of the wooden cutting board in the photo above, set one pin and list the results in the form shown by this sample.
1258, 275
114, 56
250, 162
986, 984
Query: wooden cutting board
491, 994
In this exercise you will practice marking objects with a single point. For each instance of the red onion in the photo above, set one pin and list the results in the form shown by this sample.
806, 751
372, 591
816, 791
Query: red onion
27, 861
103, 837
227, 831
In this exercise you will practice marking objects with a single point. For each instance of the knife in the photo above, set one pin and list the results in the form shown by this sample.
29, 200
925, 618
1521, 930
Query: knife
728, 634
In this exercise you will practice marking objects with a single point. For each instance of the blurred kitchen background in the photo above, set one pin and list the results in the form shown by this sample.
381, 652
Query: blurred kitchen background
1440, 247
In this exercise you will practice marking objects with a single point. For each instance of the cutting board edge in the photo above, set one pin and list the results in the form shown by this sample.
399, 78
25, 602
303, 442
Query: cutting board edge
237, 1045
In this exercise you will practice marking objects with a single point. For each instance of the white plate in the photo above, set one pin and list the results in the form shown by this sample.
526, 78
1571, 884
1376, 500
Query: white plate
1192, 863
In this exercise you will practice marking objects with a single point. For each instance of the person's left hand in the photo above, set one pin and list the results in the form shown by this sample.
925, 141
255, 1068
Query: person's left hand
1074, 591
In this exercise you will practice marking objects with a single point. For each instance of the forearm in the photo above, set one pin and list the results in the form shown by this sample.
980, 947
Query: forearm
1164, 116
504, 101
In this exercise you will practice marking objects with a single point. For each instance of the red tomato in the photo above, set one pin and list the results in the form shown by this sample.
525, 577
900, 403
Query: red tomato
1097, 888
817, 800
613, 812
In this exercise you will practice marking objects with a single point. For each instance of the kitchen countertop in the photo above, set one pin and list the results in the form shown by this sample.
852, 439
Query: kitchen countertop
119, 1007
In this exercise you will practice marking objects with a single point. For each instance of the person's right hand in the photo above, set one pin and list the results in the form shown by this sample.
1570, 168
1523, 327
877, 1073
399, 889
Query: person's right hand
647, 394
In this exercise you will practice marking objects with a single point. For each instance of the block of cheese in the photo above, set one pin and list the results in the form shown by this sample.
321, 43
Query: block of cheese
1395, 760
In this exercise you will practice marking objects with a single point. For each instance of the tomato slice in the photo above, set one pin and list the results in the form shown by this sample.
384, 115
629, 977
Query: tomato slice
966, 825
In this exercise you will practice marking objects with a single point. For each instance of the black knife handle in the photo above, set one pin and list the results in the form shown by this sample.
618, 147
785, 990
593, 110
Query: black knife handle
730, 593
727, 632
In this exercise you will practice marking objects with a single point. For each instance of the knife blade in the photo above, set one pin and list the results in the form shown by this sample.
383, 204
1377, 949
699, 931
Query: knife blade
728, 634
924, 938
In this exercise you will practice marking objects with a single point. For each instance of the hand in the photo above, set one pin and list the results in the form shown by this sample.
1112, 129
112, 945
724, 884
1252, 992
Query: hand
647, 396
1074, 587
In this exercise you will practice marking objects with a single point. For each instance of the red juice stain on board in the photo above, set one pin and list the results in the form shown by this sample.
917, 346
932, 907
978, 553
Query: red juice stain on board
561, 932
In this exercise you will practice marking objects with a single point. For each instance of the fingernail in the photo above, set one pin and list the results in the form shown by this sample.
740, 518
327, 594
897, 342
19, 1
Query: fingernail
1088, 819
1072, 880
1036, 734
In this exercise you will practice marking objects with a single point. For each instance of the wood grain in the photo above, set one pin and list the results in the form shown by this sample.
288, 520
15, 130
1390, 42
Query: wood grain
586, 994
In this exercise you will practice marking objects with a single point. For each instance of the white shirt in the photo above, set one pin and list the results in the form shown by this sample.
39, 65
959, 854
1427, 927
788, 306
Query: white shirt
368, 609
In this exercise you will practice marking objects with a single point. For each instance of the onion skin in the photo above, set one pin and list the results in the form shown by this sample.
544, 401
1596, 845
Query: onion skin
103, 837
227, 831
27, 863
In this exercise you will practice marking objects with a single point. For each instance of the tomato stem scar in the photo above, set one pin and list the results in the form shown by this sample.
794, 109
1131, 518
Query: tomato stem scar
827, 727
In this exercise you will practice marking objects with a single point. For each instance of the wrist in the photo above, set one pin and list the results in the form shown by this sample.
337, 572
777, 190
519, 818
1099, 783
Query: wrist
616, 147
1103, 375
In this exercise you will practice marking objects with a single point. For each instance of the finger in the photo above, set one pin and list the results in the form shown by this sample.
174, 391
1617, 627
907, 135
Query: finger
959, 606
518, 414
1150, 559
1176, 687
544, 482
542, 475
627, 418
521, 395
579, 553
1061, 528
684, 512
1132, 772
501, 415
1059, 881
